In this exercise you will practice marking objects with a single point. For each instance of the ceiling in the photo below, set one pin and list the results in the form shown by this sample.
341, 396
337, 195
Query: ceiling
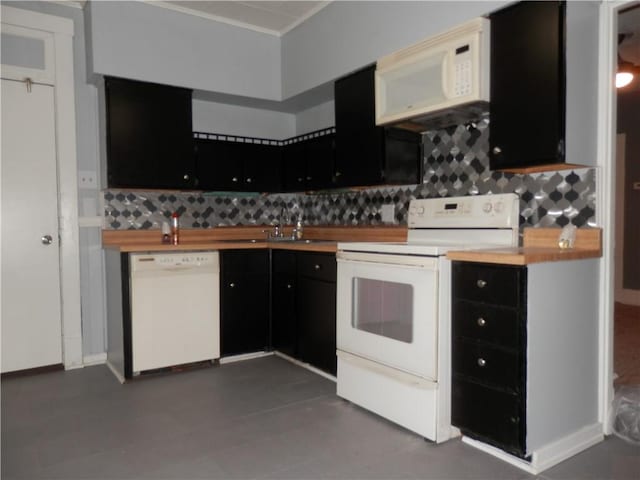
275, 18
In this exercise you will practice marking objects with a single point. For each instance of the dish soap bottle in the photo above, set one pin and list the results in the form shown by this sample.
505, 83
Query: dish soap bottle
175, 228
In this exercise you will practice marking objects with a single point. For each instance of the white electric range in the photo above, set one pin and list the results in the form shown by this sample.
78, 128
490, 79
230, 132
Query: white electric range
393, 309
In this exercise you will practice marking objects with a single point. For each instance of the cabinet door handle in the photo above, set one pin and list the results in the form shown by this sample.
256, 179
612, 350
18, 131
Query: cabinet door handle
497, 150
232, 285
481, 362
288, 286
308, 178
338, 174
234, 179
300, 179
249, 180
316, 267
481, 322
481, 283
186, 176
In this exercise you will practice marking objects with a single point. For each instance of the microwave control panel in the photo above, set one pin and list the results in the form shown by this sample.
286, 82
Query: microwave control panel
462, 71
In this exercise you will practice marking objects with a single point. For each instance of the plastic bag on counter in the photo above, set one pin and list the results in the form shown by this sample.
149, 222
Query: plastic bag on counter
626, 414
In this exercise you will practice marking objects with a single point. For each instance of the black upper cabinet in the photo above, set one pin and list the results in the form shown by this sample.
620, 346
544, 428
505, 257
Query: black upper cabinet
402, 156
238, 166
367, 154
309, 164
214, 166
359, 143
149, 135
527, 85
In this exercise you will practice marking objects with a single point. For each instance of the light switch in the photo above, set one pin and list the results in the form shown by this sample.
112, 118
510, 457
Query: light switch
388, 213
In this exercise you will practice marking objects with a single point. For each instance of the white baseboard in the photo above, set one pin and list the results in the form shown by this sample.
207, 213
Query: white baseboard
549, 455
95, 359
326, 375
244, 356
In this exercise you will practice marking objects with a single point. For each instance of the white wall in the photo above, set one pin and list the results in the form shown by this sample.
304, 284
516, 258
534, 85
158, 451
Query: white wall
143, 42
214, 117
316, 118
582, 81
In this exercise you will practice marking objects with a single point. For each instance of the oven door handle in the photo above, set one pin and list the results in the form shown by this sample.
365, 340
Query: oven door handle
400, 261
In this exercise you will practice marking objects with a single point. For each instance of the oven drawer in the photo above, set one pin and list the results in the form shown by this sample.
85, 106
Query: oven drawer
489, 415
487, 323
496, 284
320, 266
486, 364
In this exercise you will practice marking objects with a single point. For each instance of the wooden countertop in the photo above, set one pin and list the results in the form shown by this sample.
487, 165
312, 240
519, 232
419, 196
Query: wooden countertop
539, 245
320, 239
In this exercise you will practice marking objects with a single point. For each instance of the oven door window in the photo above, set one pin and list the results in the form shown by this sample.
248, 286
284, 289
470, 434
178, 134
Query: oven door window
387, 310
383, 308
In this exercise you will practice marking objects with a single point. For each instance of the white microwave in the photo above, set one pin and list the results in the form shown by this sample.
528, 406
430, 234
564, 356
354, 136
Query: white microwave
444, 77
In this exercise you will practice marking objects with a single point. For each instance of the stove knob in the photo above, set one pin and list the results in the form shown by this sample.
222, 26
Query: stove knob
420, 210
487, 207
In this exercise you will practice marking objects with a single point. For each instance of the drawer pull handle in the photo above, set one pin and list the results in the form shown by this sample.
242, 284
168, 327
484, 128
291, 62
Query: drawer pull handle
316, 267
288, 286
481, 283
513, 419
232, 285
481, 322
482, 362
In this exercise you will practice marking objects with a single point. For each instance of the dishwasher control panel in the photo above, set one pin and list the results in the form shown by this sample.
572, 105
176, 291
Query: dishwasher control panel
182, 260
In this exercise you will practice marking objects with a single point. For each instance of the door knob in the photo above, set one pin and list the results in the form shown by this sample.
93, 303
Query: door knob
47, 239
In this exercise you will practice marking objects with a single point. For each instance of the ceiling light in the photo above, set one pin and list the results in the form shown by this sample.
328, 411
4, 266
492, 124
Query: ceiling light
623, 79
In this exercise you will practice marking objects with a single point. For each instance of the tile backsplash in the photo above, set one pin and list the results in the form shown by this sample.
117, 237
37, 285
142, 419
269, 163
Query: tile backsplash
456, 163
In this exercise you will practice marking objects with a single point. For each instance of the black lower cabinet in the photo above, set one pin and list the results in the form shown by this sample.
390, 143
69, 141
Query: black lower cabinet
317, 326
316, 305
244, 301
488, 414
304, 307
284, 321
488, 354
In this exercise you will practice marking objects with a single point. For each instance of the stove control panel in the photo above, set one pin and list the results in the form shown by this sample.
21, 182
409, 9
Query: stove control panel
480, 211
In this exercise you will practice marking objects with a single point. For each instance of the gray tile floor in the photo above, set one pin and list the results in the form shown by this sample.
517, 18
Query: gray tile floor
263, 418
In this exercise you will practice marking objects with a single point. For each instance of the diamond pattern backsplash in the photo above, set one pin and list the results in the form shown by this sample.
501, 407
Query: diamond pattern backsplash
456, 163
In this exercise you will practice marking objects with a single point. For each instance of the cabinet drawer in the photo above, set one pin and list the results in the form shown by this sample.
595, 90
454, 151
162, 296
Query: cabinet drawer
497, 284
487, 323
318, 266
487, 364
494, 417
248, 261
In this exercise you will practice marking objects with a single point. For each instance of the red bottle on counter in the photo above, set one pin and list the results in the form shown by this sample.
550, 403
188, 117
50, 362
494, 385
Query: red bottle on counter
175, 228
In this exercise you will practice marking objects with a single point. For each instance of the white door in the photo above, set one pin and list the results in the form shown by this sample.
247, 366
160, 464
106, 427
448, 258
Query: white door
387, 310
31, 319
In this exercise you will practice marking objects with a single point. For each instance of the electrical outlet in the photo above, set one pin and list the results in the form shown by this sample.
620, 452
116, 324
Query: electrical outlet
87, 180
388, 213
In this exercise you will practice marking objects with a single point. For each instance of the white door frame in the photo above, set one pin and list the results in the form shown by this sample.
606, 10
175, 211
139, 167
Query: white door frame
605, 200
64, 96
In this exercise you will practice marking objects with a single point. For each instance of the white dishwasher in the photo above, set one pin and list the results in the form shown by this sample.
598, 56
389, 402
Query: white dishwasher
175, 308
